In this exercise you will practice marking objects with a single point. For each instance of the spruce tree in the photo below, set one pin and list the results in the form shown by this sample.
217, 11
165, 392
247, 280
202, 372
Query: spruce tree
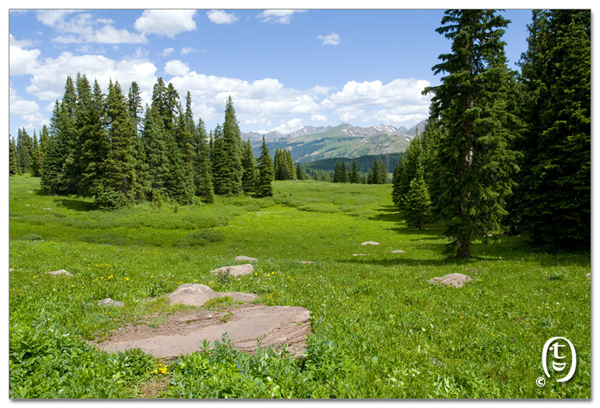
13, 167
232, 138
417, 204
36, 158
343, 176
553, 200
300, 175
265, 172
24, 147
354, 176
202, 165
470, 104
221, 164
249, 168
155, 147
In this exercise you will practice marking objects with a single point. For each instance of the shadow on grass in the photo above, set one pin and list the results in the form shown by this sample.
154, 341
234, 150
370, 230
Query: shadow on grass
387, 213
76, 205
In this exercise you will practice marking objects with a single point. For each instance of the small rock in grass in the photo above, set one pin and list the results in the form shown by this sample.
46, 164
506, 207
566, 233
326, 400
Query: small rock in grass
234, 270
10, 269
245, 258
110, 302
370, 243
306, 262
198, 294
59, 272
359, 254
457, 280
398, 251
589, 275
436, 361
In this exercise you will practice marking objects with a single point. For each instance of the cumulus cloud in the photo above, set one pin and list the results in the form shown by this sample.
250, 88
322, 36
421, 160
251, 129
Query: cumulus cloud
22, 61
331, 39
176, 68
168, 51
375, 93
187, 50
317, 117
78, 28
221, 17
28, 111
278, 16
166, 23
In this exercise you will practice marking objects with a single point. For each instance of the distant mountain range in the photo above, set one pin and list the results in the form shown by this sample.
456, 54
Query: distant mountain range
317, 143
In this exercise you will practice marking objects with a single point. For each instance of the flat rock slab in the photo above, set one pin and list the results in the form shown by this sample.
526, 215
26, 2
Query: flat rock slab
234, 270
457, 280
398, 251
59, 272
306, 262
110, 302
360, 254
370, 243
198, 294
245, 258
184, 335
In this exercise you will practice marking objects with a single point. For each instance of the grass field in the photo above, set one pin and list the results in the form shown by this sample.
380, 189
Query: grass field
380, 329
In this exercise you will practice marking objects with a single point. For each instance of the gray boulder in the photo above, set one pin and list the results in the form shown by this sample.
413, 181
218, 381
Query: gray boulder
234, 270
245, 258
370, 243
456, 280
110, 302
59, 272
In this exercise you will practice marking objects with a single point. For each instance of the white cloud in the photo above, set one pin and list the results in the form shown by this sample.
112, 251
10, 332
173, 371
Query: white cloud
221, 17
395, 93
167, 23
22, 61
289, 126
317, 117
168, 51
331, 39
27, 111
176, 68
77, 28
187, 50
278, 16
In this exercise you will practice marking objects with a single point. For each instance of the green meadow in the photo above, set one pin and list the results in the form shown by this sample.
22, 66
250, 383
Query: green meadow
380, 329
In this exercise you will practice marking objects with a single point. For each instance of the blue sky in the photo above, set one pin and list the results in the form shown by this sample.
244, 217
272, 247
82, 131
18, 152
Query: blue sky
284, 69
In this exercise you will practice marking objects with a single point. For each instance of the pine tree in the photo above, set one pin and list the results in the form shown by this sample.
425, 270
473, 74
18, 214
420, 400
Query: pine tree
155, 147
186, 130
343, 176
354, 176
118, 185
70, 139
13, 167
417, 204
134, 101
96, 143
249, 168
24, 147
43, 142
202, 165
470, 105
300, 175
232, 138
265, 172
553, 200
221, 164
36, 158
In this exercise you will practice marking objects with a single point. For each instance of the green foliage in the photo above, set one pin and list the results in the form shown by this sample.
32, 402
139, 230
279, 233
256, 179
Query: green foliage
416, 204
553, 200
265, 172
471, 105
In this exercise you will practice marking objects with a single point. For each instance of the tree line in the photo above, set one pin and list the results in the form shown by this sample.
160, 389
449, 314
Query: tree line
505, 151
99, 145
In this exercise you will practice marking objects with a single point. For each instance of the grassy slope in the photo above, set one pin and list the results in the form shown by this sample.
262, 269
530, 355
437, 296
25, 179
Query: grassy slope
378, 323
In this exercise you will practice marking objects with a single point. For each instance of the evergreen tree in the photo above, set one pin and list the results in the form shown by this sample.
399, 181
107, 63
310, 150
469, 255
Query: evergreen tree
202, 165
36, 158
221, 164
13, 167
69, 138
249, 168
43, 141
470, 104
96, 143
265, 172
343, 176
118, 185
289, 164
53, 160
553, 200
417, 204
24, 147
397, 182
232, 138
300, 175
354, 176
186, 130
155, 147
134, 101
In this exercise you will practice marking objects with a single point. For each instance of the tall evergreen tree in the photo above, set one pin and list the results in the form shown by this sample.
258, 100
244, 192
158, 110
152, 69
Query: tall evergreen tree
24, 147
202, 165
232, 137
300, 175
265, 172
155, 147
36, 158
134, 101
470, 104
553, 199
249, 168
221, 164
343, 173
354, 176
13, 167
